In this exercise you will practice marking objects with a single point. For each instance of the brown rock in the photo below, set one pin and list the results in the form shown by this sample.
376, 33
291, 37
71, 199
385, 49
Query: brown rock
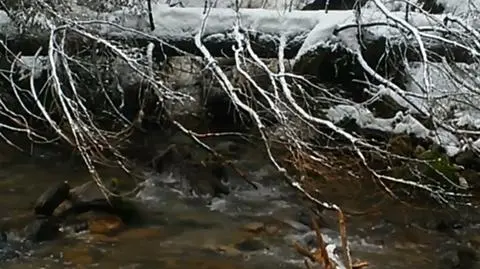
101, 238
272, 229
254, 227
64, 206
107, 225
51, 198
224, 249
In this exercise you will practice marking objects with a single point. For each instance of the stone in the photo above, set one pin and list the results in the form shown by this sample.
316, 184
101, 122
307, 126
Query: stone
468, 159
64, 206
89, 198
467, 257
254, 227
224, 249
41, 230
108, 225
272, 229
51, 198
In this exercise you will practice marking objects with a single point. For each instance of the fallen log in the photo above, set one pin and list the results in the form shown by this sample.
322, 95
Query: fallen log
175, 30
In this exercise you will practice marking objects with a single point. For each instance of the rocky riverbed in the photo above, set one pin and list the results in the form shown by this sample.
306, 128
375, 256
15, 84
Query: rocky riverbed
182, 226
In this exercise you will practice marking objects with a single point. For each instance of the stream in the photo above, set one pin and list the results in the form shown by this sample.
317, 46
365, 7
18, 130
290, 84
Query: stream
249, 228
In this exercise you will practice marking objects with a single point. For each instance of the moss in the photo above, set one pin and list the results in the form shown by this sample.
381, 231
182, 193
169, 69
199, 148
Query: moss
439, 164
119, 186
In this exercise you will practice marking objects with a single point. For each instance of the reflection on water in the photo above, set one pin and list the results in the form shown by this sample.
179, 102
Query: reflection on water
186, 232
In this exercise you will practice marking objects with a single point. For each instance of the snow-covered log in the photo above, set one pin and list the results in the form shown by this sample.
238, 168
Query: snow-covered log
175, 29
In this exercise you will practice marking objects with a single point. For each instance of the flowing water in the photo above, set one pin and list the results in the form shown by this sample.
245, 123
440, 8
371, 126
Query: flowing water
249, 228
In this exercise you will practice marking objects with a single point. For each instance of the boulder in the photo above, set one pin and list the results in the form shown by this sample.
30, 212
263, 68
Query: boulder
52, 198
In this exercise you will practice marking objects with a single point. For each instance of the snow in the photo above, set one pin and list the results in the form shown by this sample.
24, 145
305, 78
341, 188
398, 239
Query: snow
266, 4
5, 22
323, 33
221, 20
4, 19
176, 23
454, 104
459, 6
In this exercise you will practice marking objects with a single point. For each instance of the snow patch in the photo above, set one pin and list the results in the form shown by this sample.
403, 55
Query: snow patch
187, 21
455, 103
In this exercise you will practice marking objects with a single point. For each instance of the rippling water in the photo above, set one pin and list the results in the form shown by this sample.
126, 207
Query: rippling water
185, 231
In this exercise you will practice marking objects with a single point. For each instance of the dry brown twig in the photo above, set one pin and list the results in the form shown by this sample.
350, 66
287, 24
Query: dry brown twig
320, 254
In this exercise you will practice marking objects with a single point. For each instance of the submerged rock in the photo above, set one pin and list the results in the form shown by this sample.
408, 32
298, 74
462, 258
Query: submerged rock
107, 225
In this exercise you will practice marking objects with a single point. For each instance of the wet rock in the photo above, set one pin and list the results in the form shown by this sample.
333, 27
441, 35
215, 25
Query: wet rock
307, 239
251, 244
41, 230
89, 198
468, 159
448, 226
461, 258
272, 229
51, 198
107, 225
261, 228
64, 206
61, 209
475, 242
472, 177
467, 258
228, 250
254, 227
